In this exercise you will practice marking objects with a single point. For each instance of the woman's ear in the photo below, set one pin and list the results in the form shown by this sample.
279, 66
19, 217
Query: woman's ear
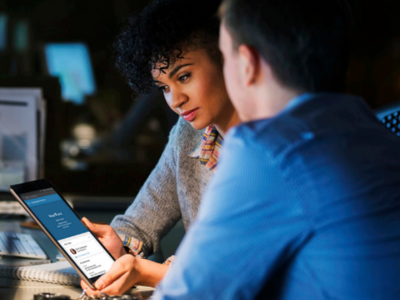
249, 64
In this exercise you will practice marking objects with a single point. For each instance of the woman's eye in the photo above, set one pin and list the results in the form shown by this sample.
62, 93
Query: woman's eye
183, 78
163, 88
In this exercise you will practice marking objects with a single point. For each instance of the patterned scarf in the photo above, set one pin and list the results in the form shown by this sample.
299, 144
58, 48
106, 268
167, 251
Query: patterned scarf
208, 149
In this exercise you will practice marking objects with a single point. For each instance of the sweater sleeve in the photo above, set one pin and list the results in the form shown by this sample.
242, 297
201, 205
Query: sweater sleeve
156, 208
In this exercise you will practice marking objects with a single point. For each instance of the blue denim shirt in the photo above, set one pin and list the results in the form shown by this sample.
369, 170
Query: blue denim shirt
305, 205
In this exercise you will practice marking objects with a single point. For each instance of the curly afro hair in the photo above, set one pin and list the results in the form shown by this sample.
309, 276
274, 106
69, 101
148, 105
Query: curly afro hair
161, 33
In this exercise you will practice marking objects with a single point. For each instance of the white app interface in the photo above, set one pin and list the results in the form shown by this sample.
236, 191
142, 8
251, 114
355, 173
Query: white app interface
87, 253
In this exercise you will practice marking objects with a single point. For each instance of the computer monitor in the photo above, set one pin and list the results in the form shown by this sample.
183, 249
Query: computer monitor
71, 63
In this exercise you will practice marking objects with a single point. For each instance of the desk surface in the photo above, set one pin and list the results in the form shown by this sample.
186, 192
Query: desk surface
27, 292
27, 289
11, 289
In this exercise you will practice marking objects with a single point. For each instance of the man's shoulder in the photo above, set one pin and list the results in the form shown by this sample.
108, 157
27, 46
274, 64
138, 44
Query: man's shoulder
305, 123
272, 135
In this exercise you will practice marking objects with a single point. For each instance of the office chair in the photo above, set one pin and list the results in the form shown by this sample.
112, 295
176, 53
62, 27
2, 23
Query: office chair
389, 115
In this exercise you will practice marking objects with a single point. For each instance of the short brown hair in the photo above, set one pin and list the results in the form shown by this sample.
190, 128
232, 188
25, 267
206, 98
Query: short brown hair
307, 51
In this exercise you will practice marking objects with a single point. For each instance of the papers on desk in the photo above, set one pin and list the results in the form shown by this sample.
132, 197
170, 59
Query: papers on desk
14, 289
12, 208
58, 273
22, 129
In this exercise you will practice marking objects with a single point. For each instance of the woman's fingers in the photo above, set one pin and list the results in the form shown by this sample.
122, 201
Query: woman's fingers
119, 286
98, 230
113, 285
120, 267
104, 231
120, 278
107, 236
84, 285
89, 291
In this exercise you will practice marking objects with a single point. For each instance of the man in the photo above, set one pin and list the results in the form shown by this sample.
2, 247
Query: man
305, 204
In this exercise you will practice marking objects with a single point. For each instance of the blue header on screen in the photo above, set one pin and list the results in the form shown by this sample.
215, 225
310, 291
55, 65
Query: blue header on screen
56, 216
71, 63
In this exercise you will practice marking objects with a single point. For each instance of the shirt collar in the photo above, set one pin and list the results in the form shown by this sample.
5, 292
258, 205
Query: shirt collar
296, 101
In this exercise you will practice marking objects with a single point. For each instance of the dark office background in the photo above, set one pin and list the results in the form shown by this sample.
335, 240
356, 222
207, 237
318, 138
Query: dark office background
122, 161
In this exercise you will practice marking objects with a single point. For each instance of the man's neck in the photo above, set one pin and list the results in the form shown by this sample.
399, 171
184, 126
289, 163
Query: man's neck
231, 119
270, 101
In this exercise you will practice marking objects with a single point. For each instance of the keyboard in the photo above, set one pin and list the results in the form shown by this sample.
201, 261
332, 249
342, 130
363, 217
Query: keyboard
20, 245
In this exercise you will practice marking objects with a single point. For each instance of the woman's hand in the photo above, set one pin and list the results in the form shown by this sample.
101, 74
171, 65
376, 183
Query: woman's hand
125, 273
107, 236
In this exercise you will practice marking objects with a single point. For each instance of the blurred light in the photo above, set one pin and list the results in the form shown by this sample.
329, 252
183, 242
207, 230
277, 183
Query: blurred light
84, 131
3, 31
84, 143
74, 151
21, 36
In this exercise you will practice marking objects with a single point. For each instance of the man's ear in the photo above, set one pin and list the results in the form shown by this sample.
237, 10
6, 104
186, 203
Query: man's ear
249, 64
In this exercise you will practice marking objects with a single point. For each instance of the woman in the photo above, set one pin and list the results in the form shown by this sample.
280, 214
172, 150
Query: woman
172, 44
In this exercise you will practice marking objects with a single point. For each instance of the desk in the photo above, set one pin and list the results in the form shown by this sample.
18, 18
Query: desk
24, 290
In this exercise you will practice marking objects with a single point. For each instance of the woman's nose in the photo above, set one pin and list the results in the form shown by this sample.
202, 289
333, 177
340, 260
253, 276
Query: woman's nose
178, 99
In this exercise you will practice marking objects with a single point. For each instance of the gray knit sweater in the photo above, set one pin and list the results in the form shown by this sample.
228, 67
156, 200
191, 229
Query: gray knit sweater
172, 191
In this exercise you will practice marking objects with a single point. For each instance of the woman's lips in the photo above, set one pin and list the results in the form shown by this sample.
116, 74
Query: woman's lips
189, 115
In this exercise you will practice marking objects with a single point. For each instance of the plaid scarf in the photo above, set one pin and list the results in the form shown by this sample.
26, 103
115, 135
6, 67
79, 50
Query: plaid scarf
208, 149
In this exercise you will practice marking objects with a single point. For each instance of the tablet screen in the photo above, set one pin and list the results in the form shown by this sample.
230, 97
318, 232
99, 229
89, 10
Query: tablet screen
65, 227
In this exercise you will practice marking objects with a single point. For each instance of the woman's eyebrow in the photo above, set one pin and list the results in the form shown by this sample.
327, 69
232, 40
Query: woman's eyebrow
176, 69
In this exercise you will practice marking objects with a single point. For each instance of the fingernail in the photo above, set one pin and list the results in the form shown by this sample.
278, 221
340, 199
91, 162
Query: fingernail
99, 285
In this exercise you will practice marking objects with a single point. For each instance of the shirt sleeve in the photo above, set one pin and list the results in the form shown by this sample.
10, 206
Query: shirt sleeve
248, 227
156, 208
